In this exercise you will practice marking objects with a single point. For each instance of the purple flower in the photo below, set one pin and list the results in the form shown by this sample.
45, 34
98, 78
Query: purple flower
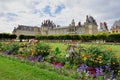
99, 71
82, 68
38, 58
107, 67
113, 76
8, 52
59, 65
31, 58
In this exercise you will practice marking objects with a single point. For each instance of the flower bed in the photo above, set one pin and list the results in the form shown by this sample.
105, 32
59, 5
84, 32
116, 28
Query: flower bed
96, 61
92, 62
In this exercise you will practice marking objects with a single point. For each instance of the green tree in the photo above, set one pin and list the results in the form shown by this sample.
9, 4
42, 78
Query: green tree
21, 37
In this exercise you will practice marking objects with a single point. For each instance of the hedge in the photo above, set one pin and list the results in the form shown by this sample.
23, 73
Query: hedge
6, 36
83, 38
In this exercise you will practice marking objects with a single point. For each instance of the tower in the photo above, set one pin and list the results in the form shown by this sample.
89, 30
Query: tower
90, 26
46, 26
73, 23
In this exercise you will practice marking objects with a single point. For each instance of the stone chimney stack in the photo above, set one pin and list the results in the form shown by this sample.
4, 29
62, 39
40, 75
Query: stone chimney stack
86, 18
79, 24
101, 24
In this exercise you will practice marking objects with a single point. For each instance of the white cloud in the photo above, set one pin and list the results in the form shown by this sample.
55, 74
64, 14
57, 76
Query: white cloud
31, 12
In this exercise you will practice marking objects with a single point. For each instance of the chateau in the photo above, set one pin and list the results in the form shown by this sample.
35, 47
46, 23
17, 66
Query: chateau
49, 28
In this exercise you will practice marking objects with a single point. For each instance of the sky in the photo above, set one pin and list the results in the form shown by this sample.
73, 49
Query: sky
34, 12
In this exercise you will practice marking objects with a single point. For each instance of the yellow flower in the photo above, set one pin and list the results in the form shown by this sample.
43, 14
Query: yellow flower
84, 58
108, 48
82, 55
118, 71
100, 61
99, 56
33, 51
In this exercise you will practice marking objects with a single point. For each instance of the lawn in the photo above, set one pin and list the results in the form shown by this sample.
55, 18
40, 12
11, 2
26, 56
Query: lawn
63, 47
115, 48
14, 70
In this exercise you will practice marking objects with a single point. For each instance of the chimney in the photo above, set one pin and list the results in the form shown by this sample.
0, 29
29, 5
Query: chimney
86, 17
79, 24
105, 23
100, 24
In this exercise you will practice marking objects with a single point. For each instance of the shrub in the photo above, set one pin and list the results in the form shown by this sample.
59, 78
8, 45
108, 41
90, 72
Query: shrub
101, 57
42, 49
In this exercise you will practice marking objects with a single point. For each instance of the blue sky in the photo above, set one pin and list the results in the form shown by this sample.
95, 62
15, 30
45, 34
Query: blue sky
33, 12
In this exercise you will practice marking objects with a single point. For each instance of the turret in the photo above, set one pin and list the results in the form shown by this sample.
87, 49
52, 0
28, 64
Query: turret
73, 23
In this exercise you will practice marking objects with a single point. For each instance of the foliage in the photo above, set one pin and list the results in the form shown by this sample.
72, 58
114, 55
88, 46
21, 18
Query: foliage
21, 37
102, 36
57, 51
113, 38
98, 56
73, 56
42, 49
3, 46
10, 47
6, 36
14, 47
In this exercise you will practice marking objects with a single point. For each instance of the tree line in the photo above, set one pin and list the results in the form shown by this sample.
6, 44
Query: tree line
6, 36
83, 38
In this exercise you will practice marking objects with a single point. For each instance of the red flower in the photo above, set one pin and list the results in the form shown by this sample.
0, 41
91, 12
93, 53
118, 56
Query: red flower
92, 70
54, 63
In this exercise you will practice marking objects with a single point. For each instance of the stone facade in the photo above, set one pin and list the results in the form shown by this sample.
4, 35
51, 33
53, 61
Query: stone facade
26, 30
116, 27
104, 27
89, 27
49, 28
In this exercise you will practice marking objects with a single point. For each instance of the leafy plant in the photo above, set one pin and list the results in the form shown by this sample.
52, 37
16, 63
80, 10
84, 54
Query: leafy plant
57, 51
42, 49
98, 56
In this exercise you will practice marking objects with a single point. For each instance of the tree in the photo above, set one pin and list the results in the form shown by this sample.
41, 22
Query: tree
21, 37
102, 37
13, 36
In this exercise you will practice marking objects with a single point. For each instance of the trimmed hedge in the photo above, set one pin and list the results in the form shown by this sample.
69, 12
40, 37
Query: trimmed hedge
84, 38
21, 37
6, 36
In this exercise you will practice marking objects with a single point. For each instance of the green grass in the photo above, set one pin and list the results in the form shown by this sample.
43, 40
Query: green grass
14, 70
113, 47
63, 47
